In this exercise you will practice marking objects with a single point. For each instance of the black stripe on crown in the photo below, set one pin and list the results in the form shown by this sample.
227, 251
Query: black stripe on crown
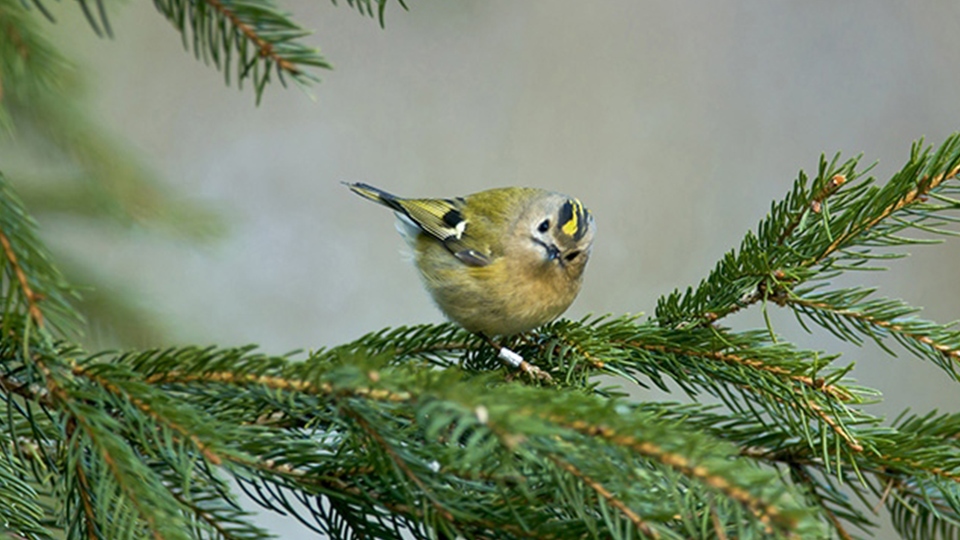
573, 219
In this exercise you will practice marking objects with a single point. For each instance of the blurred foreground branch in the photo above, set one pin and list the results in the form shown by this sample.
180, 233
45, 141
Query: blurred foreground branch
68, 165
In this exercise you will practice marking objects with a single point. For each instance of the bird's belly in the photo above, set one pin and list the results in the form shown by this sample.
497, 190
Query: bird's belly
499, 308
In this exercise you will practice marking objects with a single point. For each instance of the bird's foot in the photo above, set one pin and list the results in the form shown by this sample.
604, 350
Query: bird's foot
515, 360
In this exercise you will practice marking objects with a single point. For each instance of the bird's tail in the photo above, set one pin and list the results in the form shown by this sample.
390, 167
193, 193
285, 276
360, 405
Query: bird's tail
376, 195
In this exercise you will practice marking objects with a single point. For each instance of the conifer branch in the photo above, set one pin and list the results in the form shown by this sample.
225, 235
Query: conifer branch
385, 436
899, 459
29, 63
801, 474
917, 511
817, 385
846, 313
416, 399
85, 494
925, 185
366, 7
27, 277
31, 297
609, 497
276, 383
96, 440
20, 506
800, 233
245, 39
181, 433
249, 38
422, 490
815, 206
766, 512
641, 349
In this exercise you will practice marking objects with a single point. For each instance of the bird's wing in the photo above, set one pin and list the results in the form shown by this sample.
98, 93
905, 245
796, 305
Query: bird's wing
442, 219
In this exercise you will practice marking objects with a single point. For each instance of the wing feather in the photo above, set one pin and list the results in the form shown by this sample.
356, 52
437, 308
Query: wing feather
443, 219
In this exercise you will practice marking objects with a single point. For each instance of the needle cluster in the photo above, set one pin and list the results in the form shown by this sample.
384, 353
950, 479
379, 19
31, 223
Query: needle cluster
420, 432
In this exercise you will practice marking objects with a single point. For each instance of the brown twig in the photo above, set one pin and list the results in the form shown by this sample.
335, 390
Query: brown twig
145, 408
401, 464
816, 384
202, 514
834, 520
332, 481
835, 426
887, 325
815, 205
32, 297
818, 411
87, 505
611, 499
883, 496
278, 383
924, 186
765, 512
266, 49
717, 526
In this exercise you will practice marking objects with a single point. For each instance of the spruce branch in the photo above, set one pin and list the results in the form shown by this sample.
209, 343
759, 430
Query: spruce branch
29, 63
849, 315
826, 227
372, 8
251, 39
829, 227
639, 523
78, 168
420, 432
873, 474
463, 411
246, 39
836, 507
744, 370
21, 509
29, 283
41, 98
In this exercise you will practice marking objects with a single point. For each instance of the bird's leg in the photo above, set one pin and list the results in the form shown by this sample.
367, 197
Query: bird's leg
516, 361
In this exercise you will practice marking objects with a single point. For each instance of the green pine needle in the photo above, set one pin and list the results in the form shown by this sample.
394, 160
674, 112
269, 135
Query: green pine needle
420, 432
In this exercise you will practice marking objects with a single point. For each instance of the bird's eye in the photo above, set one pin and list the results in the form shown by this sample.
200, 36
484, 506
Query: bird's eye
544, 226
571, 256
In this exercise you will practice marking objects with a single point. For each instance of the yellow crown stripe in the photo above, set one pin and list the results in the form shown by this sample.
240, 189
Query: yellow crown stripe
571, 226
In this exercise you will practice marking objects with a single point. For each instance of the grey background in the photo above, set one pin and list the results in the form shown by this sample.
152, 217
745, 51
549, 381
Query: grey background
676, 122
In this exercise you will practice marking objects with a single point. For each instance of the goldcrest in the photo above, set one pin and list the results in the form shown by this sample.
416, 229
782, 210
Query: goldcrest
499, 262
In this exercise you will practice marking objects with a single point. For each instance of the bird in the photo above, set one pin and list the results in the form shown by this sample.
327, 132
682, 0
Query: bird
499, 262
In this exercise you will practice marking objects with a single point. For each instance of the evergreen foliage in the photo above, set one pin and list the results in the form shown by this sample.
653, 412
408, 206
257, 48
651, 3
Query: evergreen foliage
419, 431
246, 39
73, 166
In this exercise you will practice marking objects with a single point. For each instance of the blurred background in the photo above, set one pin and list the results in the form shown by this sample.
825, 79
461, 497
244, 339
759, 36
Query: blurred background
677, 123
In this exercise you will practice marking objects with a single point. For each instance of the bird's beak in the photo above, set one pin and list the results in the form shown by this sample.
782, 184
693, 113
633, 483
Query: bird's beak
553, 252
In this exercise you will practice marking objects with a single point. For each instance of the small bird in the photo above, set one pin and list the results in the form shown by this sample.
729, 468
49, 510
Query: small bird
499, 262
